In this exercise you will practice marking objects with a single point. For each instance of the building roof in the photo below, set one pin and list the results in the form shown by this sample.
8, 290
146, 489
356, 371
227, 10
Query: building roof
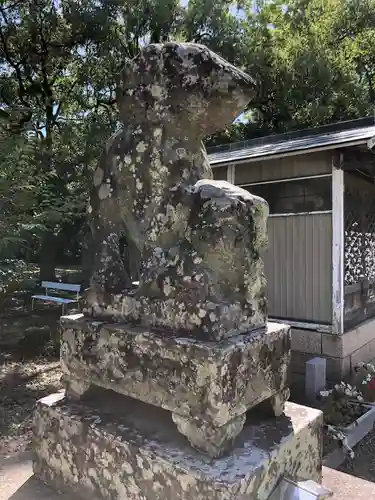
343, 134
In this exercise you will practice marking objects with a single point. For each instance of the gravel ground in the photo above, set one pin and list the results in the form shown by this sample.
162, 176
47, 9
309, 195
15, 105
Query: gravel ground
20, 386
29, 370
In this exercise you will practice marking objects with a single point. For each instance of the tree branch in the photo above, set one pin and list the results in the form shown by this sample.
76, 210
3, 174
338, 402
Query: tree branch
107, 103
16, 66
369, 78
4, 99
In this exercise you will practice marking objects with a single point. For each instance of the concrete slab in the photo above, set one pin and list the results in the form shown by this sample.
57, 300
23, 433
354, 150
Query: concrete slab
346, 487
13, 475
33, 489
17, 481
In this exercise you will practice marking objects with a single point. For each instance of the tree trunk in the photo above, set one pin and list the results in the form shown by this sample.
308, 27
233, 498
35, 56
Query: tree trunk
47, 257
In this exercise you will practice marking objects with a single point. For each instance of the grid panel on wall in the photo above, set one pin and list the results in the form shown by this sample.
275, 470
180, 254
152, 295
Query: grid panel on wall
359, 220
359, 250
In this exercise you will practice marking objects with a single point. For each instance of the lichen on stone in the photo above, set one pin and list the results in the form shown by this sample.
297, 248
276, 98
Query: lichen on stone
149, 182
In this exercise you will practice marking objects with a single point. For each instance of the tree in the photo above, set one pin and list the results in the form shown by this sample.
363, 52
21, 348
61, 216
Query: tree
317, 72
16, 191
321, 65
58, 61
39, 53
313, 61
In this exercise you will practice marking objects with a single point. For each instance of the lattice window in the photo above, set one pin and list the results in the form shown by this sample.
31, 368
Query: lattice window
359, 206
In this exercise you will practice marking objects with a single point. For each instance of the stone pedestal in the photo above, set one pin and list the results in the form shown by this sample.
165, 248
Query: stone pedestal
208, 386
110, 447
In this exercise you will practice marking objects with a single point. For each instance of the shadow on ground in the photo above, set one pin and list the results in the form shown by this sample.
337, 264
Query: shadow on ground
29, 370
27, 335
363, 464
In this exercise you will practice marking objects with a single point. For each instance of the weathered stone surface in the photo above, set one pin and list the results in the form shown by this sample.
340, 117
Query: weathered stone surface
203, 381
75, 387
112, 448
207, 438
211, 284
199, 241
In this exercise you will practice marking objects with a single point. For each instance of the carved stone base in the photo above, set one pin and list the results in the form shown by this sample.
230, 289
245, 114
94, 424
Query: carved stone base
217, 380
214, 441
109, 447
208, 321
213, 383
275, 405
278, 401
217, 441
74, 388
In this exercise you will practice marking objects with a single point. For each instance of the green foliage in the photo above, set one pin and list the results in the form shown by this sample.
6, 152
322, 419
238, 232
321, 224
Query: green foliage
45, 51
313, 60
16, 190
342, 406
14, 277
11, 271
317, 59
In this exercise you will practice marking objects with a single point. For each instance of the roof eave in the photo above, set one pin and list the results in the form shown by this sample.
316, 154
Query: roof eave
293, 152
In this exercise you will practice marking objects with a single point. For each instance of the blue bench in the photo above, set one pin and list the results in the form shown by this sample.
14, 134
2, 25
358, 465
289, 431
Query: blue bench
64, 287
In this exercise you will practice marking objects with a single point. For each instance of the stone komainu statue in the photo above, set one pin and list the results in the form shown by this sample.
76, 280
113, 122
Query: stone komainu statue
198, 240
192, 337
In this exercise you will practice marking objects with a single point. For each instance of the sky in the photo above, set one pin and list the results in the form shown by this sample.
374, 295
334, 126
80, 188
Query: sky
185, 2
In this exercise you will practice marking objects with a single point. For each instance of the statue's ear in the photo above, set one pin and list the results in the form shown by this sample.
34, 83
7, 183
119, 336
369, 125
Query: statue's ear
139, 83
129, 83
145, 69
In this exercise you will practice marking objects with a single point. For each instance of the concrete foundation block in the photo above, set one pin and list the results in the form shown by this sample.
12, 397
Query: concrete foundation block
337, 368
333, 345
365, 354
306, 341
